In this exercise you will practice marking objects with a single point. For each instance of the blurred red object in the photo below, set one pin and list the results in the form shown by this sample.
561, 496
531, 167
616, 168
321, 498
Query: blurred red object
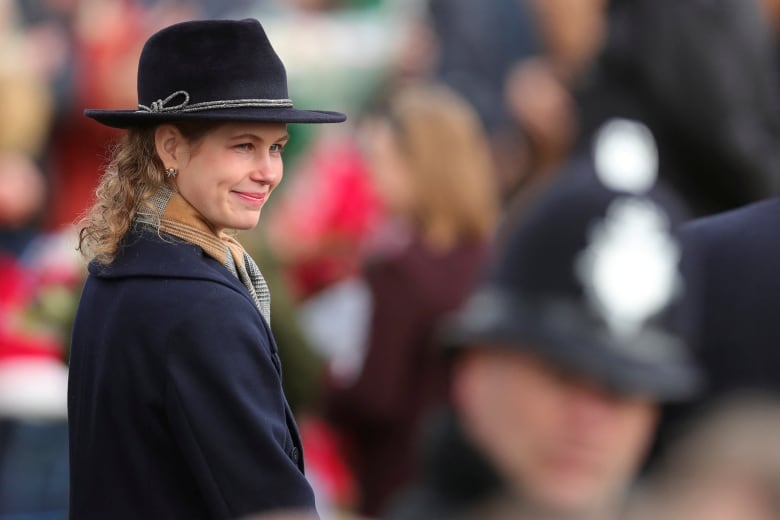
18, 337
324, 459
15, 282
319, 226
107, 55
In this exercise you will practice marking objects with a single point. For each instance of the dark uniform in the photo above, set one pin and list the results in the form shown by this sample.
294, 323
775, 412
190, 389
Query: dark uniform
701, 75
740, 330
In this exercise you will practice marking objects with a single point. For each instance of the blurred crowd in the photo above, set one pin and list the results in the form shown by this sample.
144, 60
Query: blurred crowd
461, 114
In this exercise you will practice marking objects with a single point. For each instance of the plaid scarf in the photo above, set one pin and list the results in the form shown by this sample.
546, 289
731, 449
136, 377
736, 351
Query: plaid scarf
178, 218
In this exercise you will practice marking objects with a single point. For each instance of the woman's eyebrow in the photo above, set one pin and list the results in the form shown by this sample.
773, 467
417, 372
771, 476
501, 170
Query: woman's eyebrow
249, 135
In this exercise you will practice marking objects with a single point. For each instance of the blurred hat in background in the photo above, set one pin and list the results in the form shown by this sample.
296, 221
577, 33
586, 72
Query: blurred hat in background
592, 278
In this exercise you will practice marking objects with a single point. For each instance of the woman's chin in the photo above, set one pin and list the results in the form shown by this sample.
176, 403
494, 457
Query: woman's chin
246, 223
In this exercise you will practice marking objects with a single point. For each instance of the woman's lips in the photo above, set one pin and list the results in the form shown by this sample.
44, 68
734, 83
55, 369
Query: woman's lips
255, 199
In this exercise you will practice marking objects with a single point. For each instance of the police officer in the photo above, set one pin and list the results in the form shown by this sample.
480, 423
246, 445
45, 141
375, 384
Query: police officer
561, 360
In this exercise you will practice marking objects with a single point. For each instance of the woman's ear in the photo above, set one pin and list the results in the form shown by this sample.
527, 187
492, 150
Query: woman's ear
168, 141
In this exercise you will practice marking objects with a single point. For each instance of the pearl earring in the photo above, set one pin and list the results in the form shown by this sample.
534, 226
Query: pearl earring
170, 172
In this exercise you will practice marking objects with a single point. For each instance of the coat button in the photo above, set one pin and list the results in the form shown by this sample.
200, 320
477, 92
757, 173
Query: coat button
295, 455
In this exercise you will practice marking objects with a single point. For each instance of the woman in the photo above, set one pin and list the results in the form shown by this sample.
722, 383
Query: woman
175, 401
430, 162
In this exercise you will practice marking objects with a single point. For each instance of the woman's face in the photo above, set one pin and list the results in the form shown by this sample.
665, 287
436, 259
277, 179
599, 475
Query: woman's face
229, 174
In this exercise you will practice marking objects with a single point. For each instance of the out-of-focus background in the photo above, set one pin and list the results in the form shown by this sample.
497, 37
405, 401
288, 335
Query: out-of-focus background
368, 242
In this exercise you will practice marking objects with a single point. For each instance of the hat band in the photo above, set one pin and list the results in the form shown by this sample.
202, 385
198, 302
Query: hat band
562, 321
185, 106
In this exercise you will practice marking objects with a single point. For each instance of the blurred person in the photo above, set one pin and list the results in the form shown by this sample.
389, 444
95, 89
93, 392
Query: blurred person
25, 105
175, 400
700, 74
319, 225
430, 164
518, 62
22, 190
478, 44
539, 92
33, 377
25, 97
543, 111
572, 34
725, 466
26, 112
740, 331
560, 360
103, 41
22, 199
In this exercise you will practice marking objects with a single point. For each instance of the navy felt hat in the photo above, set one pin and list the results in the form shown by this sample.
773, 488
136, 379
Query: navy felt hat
220, 70
592, 278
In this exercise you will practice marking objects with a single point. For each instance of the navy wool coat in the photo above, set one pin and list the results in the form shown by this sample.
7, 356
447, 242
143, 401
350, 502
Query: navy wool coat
738, 327
175, 399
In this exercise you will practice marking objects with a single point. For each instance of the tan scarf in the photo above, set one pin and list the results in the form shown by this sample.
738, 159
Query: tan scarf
178, 218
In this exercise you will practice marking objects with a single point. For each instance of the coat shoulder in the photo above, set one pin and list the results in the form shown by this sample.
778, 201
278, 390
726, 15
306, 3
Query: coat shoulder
166, 281
751, 226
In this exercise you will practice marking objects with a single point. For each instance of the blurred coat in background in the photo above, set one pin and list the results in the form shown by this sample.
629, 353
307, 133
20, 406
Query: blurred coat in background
431, 166
701, 75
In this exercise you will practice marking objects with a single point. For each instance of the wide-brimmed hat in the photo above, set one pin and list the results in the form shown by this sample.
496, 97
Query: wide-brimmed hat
220, 70
593, 279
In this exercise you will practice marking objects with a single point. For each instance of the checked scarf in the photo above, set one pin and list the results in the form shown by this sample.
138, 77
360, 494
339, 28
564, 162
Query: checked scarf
178, 218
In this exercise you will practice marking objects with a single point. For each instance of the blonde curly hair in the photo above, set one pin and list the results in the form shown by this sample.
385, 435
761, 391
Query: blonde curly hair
133, 174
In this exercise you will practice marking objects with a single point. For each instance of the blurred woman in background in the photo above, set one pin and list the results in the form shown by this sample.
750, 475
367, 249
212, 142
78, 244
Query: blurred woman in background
431, 165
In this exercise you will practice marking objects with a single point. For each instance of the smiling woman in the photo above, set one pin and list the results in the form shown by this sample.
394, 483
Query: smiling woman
175, 402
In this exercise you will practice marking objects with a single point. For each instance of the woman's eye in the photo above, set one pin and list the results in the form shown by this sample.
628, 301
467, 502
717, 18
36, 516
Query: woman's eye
244, 147
275, 148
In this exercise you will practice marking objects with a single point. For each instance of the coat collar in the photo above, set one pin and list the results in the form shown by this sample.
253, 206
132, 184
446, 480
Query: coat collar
144, 253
